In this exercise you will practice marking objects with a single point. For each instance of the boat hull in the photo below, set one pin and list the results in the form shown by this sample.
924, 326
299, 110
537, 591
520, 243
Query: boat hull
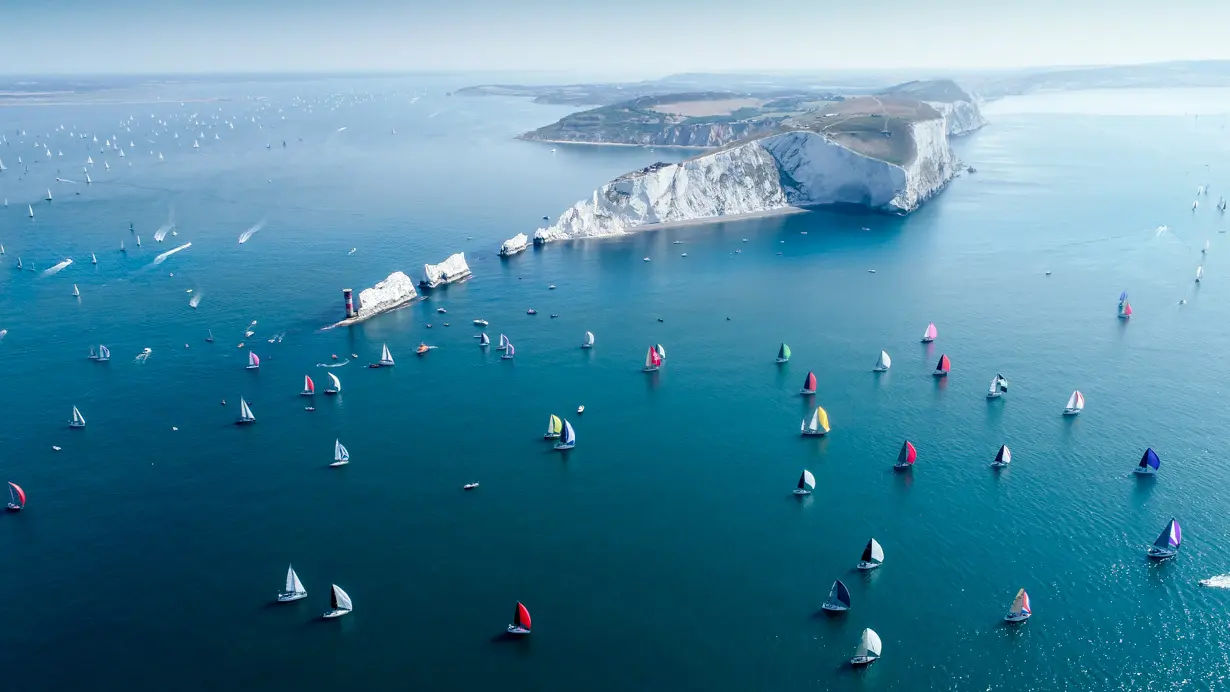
927, 340
1147, 471
879, 368
807, 392
506, 357
335, 614
863, 660
782, 360
76, 425
587, 346
331, 392
834, 607
1016, 617
815, 433
245, 421
13, 507
1071, 412
252, 367
389, 363
517, 630
801, 491
307, 393
940, 373
998, 464
868, 565
902, 467
651, 368
339, 463
561, 446
288, 597
1160, 554
994, 395
551, 436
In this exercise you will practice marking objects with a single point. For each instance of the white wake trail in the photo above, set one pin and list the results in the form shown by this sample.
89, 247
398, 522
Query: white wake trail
57, 268
162, 258
243, 237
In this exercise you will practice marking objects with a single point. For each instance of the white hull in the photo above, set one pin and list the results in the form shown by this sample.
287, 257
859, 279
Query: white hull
901, 467
561, 446
335, 613
1071, 412
586, 346
506, 357
288, 597
814, 433
305, 393
1146, 471
782, 360
651, 368
386, 363
1016, 617
75, 424
551, 436
1159, 554
339, 463
994, 395
807, 392
252, 367
245, 421
862, 660
998, 464
868, 565
800, 491
940, 373
879, 368
13, 507
834, 608
514, 629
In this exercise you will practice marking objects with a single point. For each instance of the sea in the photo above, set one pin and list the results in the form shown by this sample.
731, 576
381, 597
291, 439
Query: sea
666, 551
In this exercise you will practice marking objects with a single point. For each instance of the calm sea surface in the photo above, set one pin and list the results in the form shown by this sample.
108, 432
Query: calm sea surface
666, 551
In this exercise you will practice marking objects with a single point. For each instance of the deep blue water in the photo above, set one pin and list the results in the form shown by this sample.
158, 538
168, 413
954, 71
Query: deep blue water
665, 551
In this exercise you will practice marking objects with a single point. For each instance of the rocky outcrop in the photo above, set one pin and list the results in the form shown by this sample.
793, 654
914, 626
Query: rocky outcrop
798, 168
452, 269
960, 117
393, 292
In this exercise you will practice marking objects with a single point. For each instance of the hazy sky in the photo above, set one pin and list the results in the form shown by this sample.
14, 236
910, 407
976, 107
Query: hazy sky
634, 37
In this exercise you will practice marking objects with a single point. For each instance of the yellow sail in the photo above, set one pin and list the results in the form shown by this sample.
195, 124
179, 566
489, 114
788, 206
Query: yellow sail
822, 417
555, 426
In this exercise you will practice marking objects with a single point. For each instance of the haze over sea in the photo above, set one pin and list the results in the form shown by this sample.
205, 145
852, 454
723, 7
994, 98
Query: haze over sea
665, 552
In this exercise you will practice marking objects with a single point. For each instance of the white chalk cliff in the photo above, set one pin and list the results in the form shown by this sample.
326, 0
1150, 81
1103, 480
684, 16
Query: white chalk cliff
451, 269
797, 168
396, 290
960, 117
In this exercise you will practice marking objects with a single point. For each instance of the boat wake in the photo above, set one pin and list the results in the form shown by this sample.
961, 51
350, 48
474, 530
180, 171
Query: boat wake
243, 237
196, 299
143, 355
66, 180
162, 231
333, 365
1157, 232
3, 333
163, 257
57, 268
1221, 581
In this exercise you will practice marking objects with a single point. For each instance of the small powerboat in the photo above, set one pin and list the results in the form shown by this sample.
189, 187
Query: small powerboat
422, 349
581, 409
531, 311
481, 323
470, 486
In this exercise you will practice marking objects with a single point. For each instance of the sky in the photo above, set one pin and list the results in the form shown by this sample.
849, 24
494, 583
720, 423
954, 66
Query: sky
636, 38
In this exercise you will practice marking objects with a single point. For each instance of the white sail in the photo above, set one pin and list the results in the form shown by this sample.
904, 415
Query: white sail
104, 353
386, 357
93, 258
884, 362
342, 599
337, 384
339, 451
293, 585
76, 291
1199, 272
877, 553
808, 480
245, 412
588, 340
869, 644
1076, 402
78, 419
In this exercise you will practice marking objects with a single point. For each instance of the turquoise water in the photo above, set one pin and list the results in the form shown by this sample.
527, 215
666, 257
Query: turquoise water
665, 551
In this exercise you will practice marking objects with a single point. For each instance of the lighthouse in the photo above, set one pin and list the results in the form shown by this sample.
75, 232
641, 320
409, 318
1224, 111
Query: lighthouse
348, 294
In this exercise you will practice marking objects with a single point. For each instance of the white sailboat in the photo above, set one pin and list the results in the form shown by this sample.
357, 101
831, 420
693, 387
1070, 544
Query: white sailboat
93, 258
1003, 457
337, 385
555, 426
104, 354
839, 598
48, 194
873, 556
1019, 611
869, 648
818, 424
294, 588
807, 483
588, 340
484, 340
31, 207
341, 457
1076, 404
999, 385
1199, 272
883, 363
245, 413
509, 351
503, 343
76, 291
386, 358
341, 603
78, 420
568, 439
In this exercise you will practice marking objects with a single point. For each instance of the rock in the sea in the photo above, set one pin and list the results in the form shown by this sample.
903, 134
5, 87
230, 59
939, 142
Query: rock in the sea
452, 269
798, 168
514, 245
396, 290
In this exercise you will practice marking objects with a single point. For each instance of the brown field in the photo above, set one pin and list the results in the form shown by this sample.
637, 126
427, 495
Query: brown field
698, 109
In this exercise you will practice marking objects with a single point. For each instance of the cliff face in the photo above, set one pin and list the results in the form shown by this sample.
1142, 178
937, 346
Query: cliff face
795, 168
960, 117
393, 291
700, 135
451, 269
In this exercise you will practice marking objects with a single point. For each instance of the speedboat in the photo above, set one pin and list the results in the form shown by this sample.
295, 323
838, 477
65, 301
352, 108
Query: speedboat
470, 486
441, 310
422, 349
481, 323
551, 287
531, 311
581, 409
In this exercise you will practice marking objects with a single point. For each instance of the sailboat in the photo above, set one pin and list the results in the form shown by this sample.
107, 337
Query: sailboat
521, 620
554, 426
783, 353
341, 456
868, 648
807, 483
245, 413
588, 340
883, 363
48, 194
661, 351
1167, 544
337, 385
78, 420
818, 424
930, 333
568, 439
873, 556
1019, 611
104, 354
503, 343
942, 367
254, 361
906, 457
999, 385
653, 361
341, 603
76, 291
87, 179
294, 588
1199, 272
1002, 458
809, 384
309, 387
1204, 250
93, 258
1149, 463
209, 336
19, 262
839, 598
31, 207
17, 498
138, 241
386, 358
122, 248
509, 351
1125, 308
484, 340
1076, 404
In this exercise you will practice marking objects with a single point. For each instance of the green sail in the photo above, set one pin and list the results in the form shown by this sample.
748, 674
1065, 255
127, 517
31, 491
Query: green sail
783, 353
